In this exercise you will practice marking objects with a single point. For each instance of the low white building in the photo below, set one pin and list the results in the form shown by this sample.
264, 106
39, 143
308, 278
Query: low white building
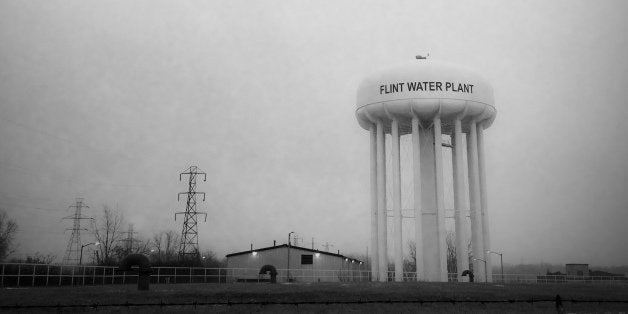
294, 263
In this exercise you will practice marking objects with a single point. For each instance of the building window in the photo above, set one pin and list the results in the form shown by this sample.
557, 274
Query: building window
306, 259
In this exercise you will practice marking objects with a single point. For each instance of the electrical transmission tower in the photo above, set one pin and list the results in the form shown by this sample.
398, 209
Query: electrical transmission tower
73, 251
188, 248
128, 246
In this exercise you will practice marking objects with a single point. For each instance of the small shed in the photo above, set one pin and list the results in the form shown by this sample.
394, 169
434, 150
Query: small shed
577, 269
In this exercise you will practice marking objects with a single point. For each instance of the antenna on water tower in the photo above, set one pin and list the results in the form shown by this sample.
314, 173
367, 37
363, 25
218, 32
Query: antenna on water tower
420, 57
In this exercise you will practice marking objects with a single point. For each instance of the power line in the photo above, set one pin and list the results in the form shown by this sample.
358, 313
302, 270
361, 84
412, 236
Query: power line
59, 178
59, 138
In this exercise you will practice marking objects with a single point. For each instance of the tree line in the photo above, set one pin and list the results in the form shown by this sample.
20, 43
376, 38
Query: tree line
113, 241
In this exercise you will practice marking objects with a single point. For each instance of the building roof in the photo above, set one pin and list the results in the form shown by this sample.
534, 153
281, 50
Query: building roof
293, 247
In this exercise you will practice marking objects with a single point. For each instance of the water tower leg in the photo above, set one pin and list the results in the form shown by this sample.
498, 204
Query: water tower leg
396, 177
483, 200
462, 251
418, 212
431, 261
474, 203
374, 222
381, 204
440, 201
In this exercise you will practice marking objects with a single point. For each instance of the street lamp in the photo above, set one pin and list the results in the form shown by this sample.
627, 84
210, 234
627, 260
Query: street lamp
485, 274
288, 270
83, 246
501, 261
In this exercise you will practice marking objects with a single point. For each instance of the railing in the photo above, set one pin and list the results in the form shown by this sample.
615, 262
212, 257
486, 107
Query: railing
21, 275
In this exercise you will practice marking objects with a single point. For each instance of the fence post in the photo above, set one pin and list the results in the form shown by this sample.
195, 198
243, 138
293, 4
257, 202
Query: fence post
19, 269
158, 270
190, 273
83, 275
123, 277
205, 276
93, 275
60, 272
47, 274
2, 278
33, 282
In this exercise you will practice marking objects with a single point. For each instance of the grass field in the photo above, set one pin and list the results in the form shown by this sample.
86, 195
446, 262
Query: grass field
320, 298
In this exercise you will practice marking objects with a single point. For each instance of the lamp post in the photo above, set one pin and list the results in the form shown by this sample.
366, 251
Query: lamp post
288, 271
83, 246
501, 261
485, 274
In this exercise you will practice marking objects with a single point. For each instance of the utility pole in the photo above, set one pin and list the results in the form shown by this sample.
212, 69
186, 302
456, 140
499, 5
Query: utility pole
188, 248
297, 239
72, 252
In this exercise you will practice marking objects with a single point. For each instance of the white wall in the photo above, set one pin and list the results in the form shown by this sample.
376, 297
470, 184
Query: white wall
324, 268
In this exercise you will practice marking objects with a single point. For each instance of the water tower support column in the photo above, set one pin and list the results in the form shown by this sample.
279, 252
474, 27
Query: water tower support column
462, 253
396, 177
483, 198
374, 244
418, 212
382, 249
440, 200
475, 202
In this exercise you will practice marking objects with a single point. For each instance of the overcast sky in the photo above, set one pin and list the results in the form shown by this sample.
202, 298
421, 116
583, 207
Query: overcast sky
110, 100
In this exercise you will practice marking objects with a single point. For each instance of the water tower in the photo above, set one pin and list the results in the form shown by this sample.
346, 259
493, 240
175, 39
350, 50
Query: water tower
426, 100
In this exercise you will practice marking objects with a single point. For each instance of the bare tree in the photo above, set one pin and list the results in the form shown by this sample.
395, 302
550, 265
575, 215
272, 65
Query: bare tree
165, 245
452, 262
209, 259
108, 233
171, 245
37, 258
8, 228
409, 265
157, 243
143, 246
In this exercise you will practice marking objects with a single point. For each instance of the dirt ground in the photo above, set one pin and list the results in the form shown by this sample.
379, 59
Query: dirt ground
320, 298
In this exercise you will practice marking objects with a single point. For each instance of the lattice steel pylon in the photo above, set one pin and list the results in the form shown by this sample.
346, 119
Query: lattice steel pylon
72, 252
188, 248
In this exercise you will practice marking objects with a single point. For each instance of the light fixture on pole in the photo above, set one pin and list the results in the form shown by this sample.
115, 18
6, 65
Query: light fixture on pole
288, 268
485, 274
83, 246
501, 261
